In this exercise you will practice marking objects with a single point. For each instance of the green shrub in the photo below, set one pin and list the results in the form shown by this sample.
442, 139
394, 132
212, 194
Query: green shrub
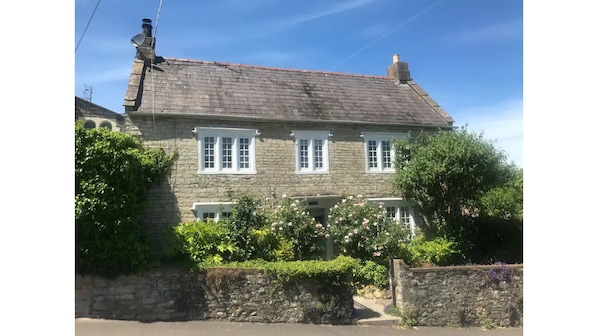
204, 242
113, 173
438, 251
362, 230
370, 273
331, 272
269, 246
290, 219
247, 215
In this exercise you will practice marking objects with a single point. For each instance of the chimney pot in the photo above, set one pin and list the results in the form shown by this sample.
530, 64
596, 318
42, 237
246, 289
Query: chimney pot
395, 58
147, 27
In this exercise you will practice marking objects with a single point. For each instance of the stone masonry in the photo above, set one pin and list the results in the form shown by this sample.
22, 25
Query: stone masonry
460, 296
170, 201
236, 295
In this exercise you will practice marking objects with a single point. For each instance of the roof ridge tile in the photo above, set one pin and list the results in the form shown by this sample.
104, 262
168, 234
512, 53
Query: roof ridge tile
185, 60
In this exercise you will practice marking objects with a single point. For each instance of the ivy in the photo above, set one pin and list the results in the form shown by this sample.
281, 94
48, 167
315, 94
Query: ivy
113, 173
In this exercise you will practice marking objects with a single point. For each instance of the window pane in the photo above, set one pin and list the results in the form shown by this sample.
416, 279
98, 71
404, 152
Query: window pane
318, 154
226, 214
227, 153
208, 152
372, 154
391, 212
208, 216
107, 125
405, 218
304, 153
386, 161
244, 153
89, 124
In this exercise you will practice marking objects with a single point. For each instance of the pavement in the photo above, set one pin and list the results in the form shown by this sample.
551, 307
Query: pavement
371, 312
371, 320
99, 327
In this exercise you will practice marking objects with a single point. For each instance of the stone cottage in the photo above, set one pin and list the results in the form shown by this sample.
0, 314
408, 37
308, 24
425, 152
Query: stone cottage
311, 135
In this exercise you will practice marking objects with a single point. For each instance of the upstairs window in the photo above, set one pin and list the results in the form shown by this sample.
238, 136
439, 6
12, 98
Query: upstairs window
226, 150
311, 148
379, 151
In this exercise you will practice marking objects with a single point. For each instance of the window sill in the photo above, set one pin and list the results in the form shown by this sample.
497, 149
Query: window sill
203, 172
380, 171
312, 172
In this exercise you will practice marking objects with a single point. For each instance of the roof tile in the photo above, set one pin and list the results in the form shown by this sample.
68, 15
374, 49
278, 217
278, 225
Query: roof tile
211, 88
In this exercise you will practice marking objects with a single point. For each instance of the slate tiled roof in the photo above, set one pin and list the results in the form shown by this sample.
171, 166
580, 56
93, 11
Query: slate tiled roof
179, 86
85, 108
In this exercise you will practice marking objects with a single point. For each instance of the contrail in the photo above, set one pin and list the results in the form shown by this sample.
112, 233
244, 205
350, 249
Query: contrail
415, 16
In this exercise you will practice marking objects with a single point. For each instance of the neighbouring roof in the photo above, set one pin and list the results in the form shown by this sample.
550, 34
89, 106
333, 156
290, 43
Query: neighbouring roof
85, 108
224, 90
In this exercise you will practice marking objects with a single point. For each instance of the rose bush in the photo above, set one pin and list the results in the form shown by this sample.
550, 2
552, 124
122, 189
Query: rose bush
291, 219
362, 230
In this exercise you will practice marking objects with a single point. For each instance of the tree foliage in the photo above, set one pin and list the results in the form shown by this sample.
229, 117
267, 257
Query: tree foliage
505, 201
113, 173
448, 173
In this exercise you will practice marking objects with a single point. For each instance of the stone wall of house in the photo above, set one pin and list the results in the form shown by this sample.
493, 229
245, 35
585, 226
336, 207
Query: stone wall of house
214, 294
170, 201
460, 296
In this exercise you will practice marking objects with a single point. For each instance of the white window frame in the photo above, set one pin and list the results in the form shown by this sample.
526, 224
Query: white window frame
218, 208
398, 204
311, 137
379, 138
218, 134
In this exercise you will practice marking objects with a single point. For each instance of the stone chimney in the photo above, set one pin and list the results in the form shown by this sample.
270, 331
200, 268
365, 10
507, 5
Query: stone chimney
147, 50
398, 70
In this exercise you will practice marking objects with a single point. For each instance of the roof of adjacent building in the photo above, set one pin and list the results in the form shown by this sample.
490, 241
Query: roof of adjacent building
224, 90
85, 108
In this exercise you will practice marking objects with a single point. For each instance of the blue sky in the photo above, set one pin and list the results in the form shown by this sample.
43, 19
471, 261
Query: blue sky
467, 54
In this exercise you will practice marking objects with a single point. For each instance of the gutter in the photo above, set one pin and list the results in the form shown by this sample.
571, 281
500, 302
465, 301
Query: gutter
229, 117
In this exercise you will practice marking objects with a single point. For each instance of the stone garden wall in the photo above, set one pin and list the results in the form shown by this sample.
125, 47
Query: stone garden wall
239, 295
460, 296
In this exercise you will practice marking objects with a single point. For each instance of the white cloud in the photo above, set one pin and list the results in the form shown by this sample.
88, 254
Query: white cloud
493, 32
501, 123
388, 32
110, 74
344, 6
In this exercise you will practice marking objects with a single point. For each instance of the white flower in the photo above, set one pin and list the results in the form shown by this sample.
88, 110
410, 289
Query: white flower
290, 223
284, 196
